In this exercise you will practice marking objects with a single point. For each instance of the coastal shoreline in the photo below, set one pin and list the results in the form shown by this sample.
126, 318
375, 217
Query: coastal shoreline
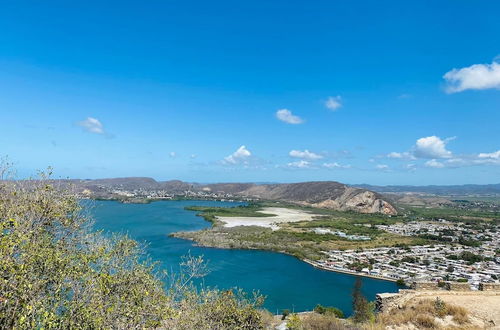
310, 262
315, 265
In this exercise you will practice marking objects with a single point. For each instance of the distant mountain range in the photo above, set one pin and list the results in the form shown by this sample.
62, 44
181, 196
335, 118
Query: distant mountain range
452, 190
327, 194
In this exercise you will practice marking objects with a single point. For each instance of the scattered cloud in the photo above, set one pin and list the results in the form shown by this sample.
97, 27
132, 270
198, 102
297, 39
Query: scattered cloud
382, 167
286, 116
306, 154
239, 156
457, 162
395, 155
464, 161
193, 156
335, 165
432, 147
334, 103
400, 155
172, 154
491, 155
477, 77
411, 167
434, 164
300, 164
433, 150
404, 96
92, 125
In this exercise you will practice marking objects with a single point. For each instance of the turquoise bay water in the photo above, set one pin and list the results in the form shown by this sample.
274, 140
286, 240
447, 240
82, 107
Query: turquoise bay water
287, 282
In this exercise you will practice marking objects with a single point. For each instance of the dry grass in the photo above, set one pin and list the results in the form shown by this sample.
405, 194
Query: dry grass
425, 321
424, 314
316, 321
460, 314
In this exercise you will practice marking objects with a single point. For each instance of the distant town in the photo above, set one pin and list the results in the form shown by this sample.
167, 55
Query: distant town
440, 262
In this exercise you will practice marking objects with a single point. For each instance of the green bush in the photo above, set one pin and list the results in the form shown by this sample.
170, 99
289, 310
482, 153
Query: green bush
329, 311
56, 273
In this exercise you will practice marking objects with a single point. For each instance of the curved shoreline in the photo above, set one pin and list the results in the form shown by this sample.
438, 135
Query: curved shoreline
315, 265
310, 262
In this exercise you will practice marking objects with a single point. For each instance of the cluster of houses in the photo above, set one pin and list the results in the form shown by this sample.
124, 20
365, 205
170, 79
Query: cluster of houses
421, 263
420, 227
153, 194
326, 231
488, 235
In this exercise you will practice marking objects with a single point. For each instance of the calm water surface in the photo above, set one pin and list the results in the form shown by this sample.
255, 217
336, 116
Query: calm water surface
286, 281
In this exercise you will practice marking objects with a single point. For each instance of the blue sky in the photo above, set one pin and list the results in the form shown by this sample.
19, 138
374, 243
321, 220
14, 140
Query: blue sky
380, 92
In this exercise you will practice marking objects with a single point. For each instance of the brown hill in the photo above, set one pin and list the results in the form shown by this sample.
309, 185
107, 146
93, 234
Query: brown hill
328, 194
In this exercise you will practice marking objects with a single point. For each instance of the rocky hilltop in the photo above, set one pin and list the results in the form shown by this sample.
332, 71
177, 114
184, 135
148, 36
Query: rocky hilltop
325, 194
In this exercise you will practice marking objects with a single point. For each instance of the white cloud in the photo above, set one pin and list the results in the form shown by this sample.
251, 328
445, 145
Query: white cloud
92, 125
193, 156
335, 165
400, 155
382, 167
467, 160
434, 164
333, 103
299, 164
411, 167
491, 155
306, 154
477, 76
239, 156
172, 154
286, 116
431, 147
395, 155
457, 162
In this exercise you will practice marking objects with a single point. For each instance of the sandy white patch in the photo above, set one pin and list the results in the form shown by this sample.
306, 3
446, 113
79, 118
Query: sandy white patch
281, 215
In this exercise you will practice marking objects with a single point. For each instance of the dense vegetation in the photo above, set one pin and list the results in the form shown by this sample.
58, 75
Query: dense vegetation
56, 273
297, 238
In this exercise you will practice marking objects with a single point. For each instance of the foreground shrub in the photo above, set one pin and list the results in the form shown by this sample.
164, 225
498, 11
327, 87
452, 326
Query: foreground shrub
315, 321
329, 311
56, 273
294, 322
423, 314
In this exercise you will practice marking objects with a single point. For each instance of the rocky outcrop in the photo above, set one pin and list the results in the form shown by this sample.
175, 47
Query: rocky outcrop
325, 194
